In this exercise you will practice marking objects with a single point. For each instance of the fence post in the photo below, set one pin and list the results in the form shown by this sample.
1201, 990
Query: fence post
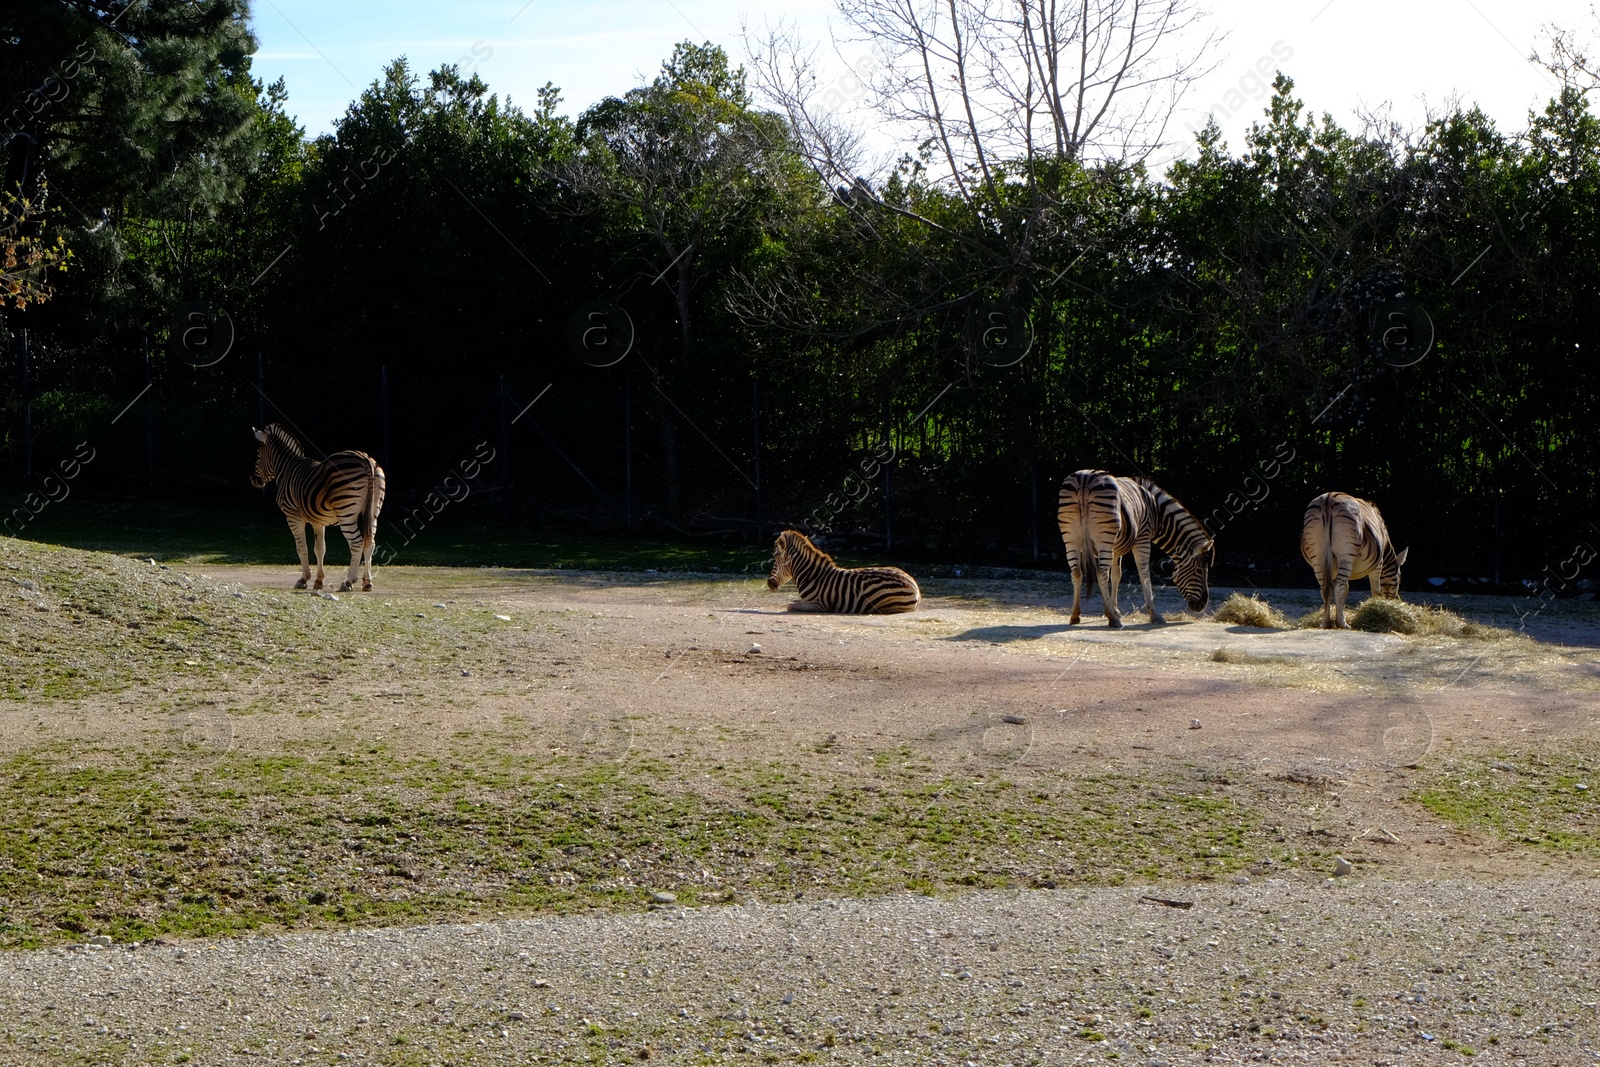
505, 455
27, 411
1033, 509
383, 371
755, 409
888, 482
149, 420
627, 454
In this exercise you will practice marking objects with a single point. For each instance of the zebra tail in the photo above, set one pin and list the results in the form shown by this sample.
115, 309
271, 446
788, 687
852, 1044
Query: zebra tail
368, 519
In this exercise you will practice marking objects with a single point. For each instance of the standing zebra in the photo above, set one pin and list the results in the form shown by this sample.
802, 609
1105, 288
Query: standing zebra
826, 586
1104, 517
1344, 538
346, 488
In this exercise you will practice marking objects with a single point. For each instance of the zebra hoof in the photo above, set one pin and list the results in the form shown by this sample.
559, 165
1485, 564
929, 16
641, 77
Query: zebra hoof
345, 587
1073, 621
317, 584
301, 584
366, 587
1114, 624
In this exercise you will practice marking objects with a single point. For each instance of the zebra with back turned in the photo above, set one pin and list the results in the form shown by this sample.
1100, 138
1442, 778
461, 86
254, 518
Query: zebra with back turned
826, 586
346, 490
1343, 538
1104, 517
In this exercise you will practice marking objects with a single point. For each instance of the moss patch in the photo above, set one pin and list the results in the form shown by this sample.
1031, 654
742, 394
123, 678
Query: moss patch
1547, 801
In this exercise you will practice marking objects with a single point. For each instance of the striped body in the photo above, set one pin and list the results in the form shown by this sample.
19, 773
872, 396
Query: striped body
344, 490
1344, 538
1104, 517
826, 586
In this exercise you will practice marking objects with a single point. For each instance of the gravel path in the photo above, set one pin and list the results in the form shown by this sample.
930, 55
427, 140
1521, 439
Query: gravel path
1276, 970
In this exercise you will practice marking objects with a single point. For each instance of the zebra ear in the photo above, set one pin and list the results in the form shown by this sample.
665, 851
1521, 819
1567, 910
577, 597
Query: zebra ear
261, 435
1400, 557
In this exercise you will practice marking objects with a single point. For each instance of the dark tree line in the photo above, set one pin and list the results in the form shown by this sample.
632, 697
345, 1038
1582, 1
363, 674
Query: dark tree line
1399, 314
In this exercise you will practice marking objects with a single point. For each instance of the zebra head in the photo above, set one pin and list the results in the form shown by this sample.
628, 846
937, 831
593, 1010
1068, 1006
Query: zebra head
1389, 572
263, 472
1192, 576
782, 565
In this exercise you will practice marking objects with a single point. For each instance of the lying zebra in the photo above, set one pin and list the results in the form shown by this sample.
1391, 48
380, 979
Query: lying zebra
1344, 538
826, 586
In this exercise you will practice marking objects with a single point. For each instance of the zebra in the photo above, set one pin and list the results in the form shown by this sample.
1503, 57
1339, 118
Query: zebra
826, 586
1344, 538
346, 488
1104, 517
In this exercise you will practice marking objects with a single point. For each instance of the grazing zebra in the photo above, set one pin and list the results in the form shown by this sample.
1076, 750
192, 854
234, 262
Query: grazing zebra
1344, 538
1104, 517
346, 488
826, 586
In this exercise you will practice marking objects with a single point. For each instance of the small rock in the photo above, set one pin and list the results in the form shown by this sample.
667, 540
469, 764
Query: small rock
439, 606
1194, 724
663, 897
1014, 720
1342, 867
465, 673
540, 983
420, 615
753, 650
1582, 787
1166, 951
101, 940
1240, 879
237, 595
516, 1016
503, 618
327, 596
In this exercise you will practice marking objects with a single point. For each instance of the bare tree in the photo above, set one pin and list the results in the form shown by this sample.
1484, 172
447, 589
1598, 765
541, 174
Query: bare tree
986, 84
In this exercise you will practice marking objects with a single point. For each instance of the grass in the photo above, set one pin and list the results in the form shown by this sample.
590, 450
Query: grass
1546, 801
231, 528
75, 623
140, 844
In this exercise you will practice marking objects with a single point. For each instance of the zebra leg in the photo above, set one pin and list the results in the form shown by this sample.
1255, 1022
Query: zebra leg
1107, 567
322, 550
299, 531
352, 534
1141, 560
1341, 592
1075, 565
805, 605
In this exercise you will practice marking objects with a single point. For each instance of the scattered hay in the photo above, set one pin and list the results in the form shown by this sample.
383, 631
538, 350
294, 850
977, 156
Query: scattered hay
1241, 610
1234, 655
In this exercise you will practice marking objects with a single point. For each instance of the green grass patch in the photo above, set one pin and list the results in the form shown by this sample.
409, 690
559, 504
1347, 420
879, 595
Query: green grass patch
141, 844
1547, 801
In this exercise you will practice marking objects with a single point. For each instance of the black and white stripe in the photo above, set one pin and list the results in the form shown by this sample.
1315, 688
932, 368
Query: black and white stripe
826, 586
1104, 517
346, 490
1344, 538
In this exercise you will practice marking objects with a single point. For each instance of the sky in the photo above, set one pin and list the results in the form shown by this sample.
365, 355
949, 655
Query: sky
1411, 56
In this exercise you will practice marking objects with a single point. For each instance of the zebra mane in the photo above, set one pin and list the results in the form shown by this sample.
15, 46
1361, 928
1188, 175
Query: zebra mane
808, 545
286, 439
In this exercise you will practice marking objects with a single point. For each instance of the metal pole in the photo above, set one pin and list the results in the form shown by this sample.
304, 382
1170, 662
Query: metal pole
627, 453
505, 454
149, 420
388, 457
27, 411
755, 410
1033, 510
888, 484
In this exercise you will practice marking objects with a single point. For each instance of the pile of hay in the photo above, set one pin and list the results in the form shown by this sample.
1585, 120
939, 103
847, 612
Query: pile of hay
1381, 616
1241, 610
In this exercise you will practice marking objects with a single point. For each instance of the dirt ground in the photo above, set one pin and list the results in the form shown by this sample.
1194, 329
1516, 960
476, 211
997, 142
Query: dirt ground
985, 676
